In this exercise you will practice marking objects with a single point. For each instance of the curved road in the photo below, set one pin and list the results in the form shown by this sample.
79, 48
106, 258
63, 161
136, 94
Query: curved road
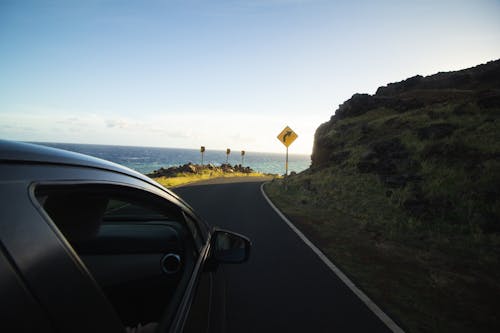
284, 287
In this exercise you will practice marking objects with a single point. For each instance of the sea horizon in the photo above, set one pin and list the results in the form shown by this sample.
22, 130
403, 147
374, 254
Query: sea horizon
147, 159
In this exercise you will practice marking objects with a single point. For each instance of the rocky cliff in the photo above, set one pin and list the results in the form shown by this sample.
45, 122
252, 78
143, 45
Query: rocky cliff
434, 140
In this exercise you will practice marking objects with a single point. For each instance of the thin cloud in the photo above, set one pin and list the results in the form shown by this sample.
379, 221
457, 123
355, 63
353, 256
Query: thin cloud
117, 123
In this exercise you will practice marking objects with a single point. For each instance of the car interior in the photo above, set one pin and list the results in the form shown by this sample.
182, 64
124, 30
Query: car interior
136, 245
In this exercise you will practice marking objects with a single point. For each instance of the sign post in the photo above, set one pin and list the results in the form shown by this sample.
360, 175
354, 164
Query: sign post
228, 151
242, 157
202, 150
287, 136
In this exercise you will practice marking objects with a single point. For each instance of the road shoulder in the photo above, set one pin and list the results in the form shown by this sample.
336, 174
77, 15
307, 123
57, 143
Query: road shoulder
358, 292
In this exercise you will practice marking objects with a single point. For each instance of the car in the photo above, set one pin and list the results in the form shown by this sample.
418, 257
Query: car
87, 245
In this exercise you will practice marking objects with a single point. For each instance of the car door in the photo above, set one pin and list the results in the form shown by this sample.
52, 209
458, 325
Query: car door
48, 270
131, 253
18, 303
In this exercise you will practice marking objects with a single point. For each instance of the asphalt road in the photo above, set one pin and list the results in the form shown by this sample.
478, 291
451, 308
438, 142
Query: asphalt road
284, 287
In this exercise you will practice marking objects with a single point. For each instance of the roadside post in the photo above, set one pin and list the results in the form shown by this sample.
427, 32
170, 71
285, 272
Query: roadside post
286, 137
228, 151
242, 157
202, 150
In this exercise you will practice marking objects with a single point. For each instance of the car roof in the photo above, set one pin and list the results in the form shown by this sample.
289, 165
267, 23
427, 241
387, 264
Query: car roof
22, 152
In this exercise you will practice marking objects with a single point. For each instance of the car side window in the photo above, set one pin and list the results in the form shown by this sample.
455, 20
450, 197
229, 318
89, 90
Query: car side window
123, 210
137, 245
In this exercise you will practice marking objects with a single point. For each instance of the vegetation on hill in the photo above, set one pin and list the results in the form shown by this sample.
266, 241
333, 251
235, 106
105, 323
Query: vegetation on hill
189, 173
404, 194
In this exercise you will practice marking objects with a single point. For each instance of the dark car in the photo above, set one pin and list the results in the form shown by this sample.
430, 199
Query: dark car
90, 246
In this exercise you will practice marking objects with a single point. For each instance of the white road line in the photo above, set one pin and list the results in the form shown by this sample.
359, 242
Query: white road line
365, 299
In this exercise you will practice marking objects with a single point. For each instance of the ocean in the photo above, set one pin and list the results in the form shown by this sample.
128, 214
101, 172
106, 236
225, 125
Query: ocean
147, 159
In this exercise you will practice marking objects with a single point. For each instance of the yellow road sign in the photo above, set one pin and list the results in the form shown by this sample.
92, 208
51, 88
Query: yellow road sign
287, 136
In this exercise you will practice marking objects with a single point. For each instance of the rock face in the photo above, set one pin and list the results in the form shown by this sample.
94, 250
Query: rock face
190, 168
362, 103
478, 86
434, 138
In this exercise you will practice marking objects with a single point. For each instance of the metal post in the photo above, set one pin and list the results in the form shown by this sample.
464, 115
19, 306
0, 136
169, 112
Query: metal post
202, 150
286, 171
286, 163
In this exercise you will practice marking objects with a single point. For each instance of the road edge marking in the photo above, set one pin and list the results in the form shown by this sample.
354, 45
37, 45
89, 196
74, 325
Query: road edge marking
361, 295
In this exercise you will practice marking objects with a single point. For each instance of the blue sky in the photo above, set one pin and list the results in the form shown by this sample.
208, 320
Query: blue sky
218, 73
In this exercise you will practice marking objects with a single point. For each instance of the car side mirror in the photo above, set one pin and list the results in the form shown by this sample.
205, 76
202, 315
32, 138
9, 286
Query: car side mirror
230, 247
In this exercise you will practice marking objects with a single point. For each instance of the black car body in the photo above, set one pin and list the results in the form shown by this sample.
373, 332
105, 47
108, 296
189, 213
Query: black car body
90, 246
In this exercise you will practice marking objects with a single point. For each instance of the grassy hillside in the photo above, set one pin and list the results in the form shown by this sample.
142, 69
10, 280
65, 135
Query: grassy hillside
404, 194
